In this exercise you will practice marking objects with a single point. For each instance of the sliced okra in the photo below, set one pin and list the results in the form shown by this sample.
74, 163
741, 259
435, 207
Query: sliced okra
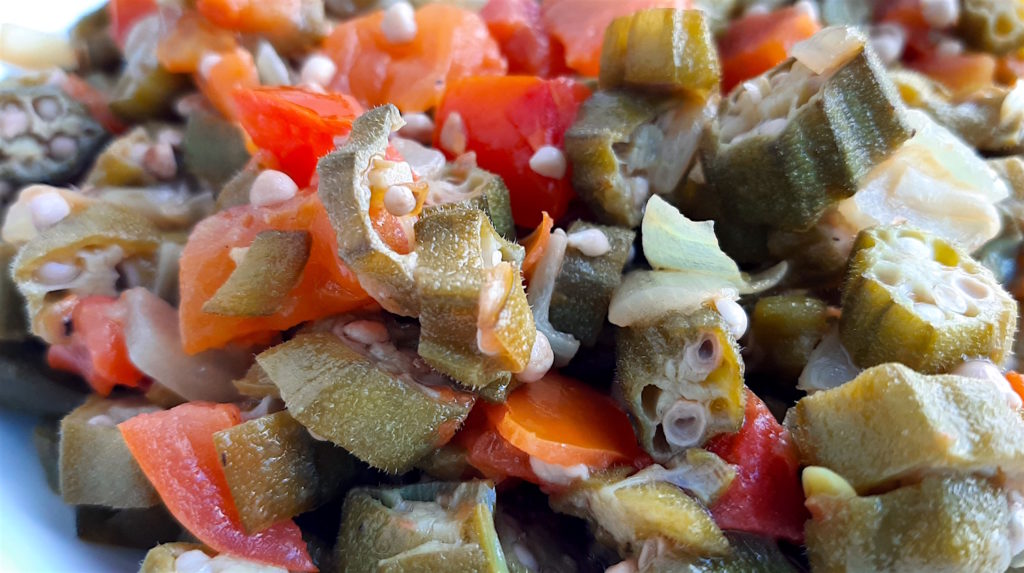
891, 423
787, 328
269, 270
144, 89
916, 299
138, 527
681, 378
476, 325
590, 272
461, 181
354, 387
992, 25
792, 142
749, 554
213, 148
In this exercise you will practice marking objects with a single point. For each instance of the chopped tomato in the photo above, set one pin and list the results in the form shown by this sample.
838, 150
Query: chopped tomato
295, 126
450, 43
292, 22
963, 74
490, 453
756, 43
579, 26
94, 100
1010, 69
97, 350
766, 497
535, 245
1016, 382
327, 286
175, 450
506, 120
124, 14
191, 38
563, 421
232, 71
517, 26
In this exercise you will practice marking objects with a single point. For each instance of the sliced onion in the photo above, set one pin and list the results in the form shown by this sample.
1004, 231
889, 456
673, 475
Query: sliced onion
647, 295
563, 345
154, 346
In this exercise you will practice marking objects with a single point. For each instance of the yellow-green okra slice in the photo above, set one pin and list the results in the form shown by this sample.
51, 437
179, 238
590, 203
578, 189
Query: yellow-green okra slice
786, 328
624, 146
276, 470
662, 49
354, 387
95, 465
590, 272
992, 25
891, 423
137, 527
793, 141
172, 557
956, 524
913, 298
270, 268
476, 325
681, 379
349, 179
461, 181
748, 554
422, 527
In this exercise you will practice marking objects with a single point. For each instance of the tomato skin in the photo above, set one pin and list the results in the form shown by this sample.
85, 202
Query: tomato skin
191, 38
756, 43
491, 454
766, 497
124, 14
97, 350
963, 74
451, 43
297, 127
517, 27
175, 450
507, 119
327, 286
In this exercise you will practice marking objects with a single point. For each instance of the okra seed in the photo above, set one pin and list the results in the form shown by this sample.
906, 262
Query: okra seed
684, 423
929, 312
366, 331
48, 209
973, 288
733, 314
207, 63
949, 299
888, 274
63, 147
53, 273
808, 8
541, 359
1013, 105
13, 121
318, 69
548, 161
889, 41
272, 69
194, 561
418, 127
949, 47
159, 160
101, 420
48, 108
399, 23
590, 242
914, 247
399, 200
940, 13
272, 187
453, 134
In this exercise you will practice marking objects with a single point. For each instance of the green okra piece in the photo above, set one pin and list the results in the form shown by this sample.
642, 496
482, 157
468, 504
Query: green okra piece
913, 298
891, 423
12, 304
256, 383
992, 25
584, 286
345, 191
681, 379
661, 49
626, 512
276, 470
476, 325
213, 148
462, 182
941, 524
420, 528
94, 46
235, 190
368, 399
120, 164
138, 528
788, 327
56, 139
144, 89
46, 439
96, 467
27, 384
749, 554
794, 141
269, 270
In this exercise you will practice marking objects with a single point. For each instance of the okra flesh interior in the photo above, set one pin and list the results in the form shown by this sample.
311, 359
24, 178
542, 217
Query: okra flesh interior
681, 378
793, 141
462, 182
913, 298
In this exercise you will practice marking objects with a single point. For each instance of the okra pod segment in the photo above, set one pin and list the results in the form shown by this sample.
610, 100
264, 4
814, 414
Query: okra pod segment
792, 142
681, 379
748, 554
786, 328
276, 470
476, 325
95, 465
354, 387
992, 25
891, 424
422, 527
138, 528
144, 89
590, 272
271, 266
942, 523
213, 148
913, 298
462, 182
661, 49
347, 180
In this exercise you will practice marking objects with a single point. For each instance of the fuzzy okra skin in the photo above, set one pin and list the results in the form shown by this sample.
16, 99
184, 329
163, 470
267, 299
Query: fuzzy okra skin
956, 524
420, 528
269, 270
749, 554
891, 423
817, 135
351, 400
584, 286
95, 465
144, 89
680, 360
462, 182
992, 25
788, 327
476, 325
913, 298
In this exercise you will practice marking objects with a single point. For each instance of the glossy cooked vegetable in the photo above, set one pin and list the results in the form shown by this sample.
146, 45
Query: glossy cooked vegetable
249, 291
461, 181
